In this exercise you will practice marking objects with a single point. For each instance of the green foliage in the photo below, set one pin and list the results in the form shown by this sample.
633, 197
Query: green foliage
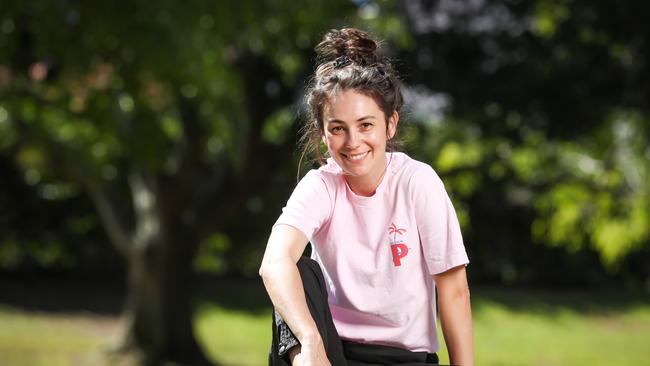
454, 155
548, 16
603, 196
542, 135
277, 127
210, 257
97, 92
545, 133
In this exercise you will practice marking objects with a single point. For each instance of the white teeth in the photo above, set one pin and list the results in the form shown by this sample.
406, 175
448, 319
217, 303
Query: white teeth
357, 156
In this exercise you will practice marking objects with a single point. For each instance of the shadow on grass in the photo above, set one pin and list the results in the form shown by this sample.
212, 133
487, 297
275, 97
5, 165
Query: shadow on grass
250, 296
239, 294
105, 295
550, 301
69, 292
62, 293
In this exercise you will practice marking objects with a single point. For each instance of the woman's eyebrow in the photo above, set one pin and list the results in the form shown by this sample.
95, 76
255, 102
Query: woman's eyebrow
335, 120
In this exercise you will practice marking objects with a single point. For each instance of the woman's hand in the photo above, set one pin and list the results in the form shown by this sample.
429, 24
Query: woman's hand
309, 355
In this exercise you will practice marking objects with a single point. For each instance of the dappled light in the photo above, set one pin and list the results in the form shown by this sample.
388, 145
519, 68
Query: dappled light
147, 148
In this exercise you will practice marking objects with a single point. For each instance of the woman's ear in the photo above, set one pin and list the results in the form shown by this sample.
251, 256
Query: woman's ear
392, 124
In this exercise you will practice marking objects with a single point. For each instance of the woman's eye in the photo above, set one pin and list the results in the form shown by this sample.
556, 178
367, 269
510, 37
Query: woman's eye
336, 129
366, 125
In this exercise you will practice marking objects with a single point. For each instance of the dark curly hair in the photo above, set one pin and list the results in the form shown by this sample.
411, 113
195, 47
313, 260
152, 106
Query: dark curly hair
348, 59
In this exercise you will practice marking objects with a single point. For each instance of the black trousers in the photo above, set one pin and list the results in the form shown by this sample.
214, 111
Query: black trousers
339, 352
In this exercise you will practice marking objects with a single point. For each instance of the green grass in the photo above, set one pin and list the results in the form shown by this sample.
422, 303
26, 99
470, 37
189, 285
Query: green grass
511, 328
35, 339
566, 328
234, 337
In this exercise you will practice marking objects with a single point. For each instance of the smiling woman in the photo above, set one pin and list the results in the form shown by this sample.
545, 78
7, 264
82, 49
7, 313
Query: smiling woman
356, 132
349, 60
383, 231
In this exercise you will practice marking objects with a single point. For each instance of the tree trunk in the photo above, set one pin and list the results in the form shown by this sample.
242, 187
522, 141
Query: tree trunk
160, 277
159, 254
157, 312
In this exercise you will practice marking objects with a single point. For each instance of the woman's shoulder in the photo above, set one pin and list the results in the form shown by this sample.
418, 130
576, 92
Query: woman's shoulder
411, 168
330, 173
325, 175
416, 177
330, 168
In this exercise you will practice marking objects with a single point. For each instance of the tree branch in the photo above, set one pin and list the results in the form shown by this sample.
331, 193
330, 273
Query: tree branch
62, 157
115, 230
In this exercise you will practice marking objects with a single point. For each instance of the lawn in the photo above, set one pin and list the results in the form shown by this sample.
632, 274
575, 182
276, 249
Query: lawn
512, 327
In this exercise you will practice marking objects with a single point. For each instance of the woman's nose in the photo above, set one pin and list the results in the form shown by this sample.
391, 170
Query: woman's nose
353, 139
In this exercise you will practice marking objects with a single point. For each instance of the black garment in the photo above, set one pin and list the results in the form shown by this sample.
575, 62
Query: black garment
316, 296
340, 353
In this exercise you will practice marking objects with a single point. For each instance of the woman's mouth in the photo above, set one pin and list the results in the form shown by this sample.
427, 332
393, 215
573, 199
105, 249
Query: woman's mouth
356, 157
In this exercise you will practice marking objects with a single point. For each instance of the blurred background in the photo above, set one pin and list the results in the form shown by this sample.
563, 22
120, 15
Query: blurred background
146, 149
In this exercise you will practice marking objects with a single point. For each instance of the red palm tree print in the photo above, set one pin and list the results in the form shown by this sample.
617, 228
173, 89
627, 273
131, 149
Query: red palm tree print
393, 229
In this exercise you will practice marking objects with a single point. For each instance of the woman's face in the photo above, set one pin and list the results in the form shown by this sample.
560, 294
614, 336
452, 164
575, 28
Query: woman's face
355, 133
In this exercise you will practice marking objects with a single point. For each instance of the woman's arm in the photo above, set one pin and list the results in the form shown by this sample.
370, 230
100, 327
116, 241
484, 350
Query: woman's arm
284, 286
456, 315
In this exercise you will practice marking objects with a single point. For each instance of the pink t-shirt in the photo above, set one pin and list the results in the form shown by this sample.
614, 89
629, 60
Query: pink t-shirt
378, 253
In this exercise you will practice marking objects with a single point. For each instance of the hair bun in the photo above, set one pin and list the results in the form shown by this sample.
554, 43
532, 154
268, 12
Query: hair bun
353, 43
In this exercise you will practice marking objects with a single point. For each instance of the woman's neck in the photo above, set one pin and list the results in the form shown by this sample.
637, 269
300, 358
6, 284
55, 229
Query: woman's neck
367, 186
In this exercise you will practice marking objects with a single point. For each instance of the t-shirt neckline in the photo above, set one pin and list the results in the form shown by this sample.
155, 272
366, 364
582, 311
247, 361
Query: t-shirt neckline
381, 188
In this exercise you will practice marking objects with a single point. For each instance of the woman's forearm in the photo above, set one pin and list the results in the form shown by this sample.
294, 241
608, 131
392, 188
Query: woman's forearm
456, 322
284, 286
281, 277
456, 315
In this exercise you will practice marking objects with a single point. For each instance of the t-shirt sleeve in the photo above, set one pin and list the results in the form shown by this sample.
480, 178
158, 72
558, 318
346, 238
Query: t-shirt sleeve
440, 235
309, 206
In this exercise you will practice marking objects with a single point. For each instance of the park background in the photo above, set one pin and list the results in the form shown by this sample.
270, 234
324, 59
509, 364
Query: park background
146, 148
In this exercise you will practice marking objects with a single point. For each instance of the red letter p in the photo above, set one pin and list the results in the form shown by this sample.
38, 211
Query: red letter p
399, 251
